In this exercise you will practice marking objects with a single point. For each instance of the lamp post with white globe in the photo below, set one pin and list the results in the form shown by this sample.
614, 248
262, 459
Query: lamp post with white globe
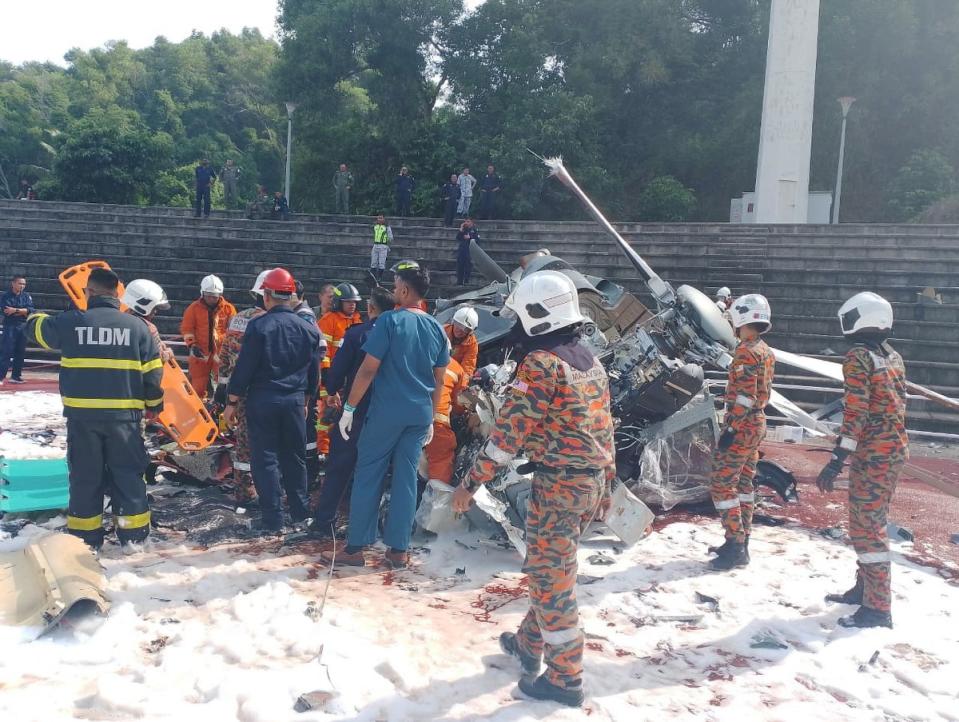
845, 103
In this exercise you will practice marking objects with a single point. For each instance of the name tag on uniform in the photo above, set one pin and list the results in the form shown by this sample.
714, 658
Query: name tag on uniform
519, 386
238, 324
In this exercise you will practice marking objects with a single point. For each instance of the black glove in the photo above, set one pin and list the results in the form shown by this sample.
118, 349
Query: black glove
726, 438
830, 471
197, 352
219, 396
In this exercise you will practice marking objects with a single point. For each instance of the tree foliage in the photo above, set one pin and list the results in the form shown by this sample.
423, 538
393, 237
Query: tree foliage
630, 92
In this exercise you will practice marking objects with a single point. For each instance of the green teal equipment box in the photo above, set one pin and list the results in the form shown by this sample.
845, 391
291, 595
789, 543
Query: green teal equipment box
33, 484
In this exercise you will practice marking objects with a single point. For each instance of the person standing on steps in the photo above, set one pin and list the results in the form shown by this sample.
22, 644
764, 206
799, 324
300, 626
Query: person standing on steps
450, 194
205, 178
382, 238
464, 264
466, 183
873, 433
490, 187
110, 372
16, 305
405, 185
342, 184
229, 177
406, 355
557, 415
748, 387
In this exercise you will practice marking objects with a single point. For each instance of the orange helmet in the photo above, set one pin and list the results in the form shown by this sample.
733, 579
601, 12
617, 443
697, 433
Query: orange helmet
280, 282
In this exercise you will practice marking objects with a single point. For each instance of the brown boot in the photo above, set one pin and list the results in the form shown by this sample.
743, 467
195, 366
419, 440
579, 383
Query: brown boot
398, 559
341, 557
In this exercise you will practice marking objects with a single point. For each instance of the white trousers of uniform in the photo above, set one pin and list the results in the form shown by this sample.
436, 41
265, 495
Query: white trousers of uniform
464, 204
378, 256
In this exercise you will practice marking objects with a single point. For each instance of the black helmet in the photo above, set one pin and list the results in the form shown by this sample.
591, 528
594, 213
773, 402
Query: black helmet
344, 292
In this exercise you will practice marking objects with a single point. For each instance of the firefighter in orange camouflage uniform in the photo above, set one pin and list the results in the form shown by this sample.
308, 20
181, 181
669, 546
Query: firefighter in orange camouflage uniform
744, 428
557, 416
243, 489
873, 432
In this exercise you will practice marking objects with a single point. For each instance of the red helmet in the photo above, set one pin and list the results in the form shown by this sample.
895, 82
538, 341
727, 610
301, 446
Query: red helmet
280, 281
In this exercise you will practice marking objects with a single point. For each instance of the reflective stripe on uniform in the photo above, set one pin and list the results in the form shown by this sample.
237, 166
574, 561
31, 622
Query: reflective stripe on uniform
38, 333
874, 557
337, 342
749, 498
563, 636
322, 427
323, 393
497, 454
848, 444
77, 403
84, 523
241, 466
453, 375
133, 521
311, 446
745, 401
223, 379
327, 337
153, 402
110, 363
726, 504
442, 418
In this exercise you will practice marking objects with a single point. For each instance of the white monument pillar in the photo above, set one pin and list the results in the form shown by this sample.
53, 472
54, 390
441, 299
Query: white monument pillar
785, 140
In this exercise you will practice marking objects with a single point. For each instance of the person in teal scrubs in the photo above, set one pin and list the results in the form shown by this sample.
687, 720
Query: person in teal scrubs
406, 358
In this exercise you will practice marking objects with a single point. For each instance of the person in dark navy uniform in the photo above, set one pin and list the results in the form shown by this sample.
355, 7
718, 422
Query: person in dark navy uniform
277, 371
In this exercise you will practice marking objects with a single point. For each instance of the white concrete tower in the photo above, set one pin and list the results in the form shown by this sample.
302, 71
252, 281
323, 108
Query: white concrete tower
785, 140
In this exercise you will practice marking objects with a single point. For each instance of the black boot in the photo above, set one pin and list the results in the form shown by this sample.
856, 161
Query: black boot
721, 549
735, 556
510, 645
850, 596
867, 617
542, 688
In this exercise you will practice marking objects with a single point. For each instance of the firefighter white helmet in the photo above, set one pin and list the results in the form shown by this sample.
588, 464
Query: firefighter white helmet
865, 311
751, 308
211, 285
257, 289
544, 301
144, 297
467, 318
723, 293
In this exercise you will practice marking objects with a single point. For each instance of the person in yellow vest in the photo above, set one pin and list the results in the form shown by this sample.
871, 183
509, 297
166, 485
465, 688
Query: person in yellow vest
382, 238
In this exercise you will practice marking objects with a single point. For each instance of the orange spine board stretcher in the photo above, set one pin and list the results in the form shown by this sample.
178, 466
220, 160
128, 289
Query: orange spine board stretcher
74, 281
184, 416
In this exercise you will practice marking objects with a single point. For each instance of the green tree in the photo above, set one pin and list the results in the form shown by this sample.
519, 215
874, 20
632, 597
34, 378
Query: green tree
925, 178
111, 157
666, 199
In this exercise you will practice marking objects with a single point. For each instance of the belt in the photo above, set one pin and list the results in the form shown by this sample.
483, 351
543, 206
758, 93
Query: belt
531, 466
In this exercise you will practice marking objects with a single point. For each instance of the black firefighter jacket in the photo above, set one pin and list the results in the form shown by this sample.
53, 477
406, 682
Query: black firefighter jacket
110, 368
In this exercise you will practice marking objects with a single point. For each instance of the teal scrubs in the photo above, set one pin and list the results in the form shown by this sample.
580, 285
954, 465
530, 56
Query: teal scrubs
410, 345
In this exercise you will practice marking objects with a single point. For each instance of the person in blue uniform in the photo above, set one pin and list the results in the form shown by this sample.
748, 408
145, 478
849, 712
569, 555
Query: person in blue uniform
278, 370
406, 354
341, 461
205, 178
15, 305
405, 185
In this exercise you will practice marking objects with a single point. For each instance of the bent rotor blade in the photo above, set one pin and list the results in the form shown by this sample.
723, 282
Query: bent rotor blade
833, 370
795, 414
657, 286
829, 369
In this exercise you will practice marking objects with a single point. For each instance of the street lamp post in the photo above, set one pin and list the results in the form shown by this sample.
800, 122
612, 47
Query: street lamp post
290, 107
845, 103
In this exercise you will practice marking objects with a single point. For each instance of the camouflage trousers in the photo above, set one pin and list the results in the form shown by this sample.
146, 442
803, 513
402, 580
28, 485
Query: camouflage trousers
561, 504
732, 479
872, 481
243, 489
